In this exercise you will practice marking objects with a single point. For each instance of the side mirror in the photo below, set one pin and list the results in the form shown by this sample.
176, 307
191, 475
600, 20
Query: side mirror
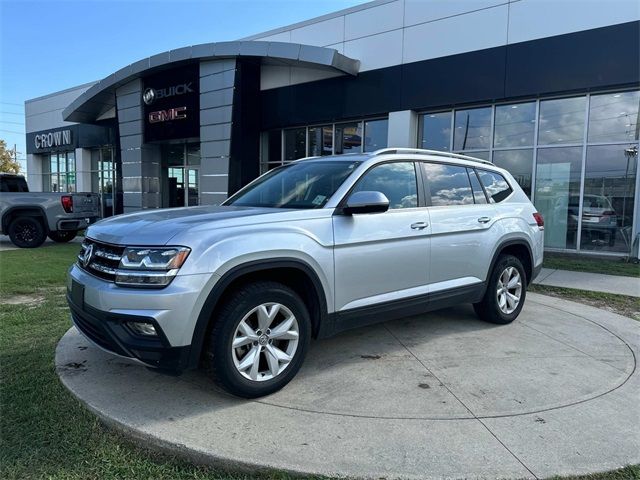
366, 202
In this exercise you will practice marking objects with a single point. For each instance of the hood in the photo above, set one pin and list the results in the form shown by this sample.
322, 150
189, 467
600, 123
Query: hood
158, 227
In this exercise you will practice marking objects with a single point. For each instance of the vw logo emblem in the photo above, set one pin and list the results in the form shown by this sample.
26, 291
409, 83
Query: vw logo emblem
88, 254
149, 96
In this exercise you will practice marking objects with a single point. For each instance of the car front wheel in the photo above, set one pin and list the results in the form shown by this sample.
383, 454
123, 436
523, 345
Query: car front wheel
259, 339
506, 292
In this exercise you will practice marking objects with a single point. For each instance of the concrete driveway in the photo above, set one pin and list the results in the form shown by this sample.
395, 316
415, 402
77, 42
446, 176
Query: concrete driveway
439, 395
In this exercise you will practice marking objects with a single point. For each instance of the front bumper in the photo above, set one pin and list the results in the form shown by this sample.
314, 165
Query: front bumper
101, 310
110, 332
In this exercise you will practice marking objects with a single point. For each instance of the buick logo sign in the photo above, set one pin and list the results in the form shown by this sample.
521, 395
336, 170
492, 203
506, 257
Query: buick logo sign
87, 255
149, 96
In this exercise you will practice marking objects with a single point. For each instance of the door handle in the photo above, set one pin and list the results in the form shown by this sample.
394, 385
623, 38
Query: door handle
484, 219
419, 225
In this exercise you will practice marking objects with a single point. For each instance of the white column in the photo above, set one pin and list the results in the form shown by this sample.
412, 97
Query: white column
83, 170
34, 172
403, 129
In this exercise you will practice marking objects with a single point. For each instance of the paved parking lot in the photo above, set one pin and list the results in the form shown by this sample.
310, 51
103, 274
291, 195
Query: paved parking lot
440, 395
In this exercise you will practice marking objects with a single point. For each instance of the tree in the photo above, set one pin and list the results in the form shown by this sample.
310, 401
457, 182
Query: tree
7, 161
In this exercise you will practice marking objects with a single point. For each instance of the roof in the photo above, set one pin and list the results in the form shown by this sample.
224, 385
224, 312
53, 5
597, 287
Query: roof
100, 97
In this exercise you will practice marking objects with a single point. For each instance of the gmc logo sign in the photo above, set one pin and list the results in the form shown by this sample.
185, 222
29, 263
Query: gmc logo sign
177, 113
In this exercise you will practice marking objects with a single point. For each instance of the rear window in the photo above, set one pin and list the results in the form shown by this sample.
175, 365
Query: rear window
495, 185
13, 184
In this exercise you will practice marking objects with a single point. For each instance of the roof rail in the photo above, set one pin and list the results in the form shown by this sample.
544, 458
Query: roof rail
421, 151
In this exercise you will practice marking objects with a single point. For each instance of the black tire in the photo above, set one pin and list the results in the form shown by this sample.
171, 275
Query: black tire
218, 358
63, 236
488, 309
27, 232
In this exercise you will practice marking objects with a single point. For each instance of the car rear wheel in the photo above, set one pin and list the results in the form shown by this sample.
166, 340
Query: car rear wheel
259, 339
63, 236
27, 232
506, 292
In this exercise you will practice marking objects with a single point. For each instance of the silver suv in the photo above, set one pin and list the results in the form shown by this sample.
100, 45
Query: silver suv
308, 249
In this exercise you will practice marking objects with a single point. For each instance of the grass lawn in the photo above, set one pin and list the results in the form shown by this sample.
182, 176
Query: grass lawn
44, 431
620, 304
582, 263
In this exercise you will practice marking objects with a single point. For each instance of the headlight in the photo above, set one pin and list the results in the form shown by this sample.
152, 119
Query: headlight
150, 267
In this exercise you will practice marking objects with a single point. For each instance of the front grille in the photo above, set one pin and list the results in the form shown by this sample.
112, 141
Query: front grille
103, 261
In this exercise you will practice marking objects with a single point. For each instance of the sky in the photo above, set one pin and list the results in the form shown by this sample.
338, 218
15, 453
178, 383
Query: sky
47, 46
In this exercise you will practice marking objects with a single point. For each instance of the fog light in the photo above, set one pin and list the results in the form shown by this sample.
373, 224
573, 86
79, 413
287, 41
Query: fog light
142, 328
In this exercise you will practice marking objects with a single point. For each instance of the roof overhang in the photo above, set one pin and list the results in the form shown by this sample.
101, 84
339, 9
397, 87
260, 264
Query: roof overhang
100, 98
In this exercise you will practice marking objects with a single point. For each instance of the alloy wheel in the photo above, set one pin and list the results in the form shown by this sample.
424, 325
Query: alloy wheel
26, 232
509, 290
265, 342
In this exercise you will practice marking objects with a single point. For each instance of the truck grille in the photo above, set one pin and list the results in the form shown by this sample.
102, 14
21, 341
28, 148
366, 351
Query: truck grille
102, 260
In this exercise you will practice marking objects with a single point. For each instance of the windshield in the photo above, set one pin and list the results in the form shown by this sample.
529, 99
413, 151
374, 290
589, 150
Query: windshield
297, 185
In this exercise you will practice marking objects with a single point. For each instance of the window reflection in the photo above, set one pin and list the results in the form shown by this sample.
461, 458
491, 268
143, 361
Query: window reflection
562, 121
375, 134
495, 185
515, 125
348, 138
614, 117
396, 180
557, 191
518, 163
448, 184
320, 141
609, 191
295, 143
436, 131
472, 129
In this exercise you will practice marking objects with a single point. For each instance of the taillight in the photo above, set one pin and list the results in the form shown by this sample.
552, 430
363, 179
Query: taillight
67, 203
539, 220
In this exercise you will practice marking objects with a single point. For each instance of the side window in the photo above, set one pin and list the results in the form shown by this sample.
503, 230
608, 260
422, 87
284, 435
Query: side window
496, 186
448, 184
396, 180
478, 192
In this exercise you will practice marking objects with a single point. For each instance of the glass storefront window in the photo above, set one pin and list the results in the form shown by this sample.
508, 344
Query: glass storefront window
562, 121
483, 155
557, 193
375, 134
180, 170
613, 117
472, 129
348, 138
59, 172
295, 143
559, 156
436, 131
608, 199
518, 163
514, 125
320, 141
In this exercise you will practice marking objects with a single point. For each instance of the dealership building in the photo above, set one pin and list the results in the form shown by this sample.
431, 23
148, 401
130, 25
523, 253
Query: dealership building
549, 90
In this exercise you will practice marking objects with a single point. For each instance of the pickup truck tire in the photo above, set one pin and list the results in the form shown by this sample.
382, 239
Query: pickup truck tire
259, 339
27, 232
63, 236
506, 292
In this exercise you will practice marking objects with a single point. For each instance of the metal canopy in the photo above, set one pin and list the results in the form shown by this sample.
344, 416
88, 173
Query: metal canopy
100, 97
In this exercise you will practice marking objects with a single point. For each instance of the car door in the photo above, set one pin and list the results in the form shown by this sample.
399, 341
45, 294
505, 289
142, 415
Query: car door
383, 257
462, 221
